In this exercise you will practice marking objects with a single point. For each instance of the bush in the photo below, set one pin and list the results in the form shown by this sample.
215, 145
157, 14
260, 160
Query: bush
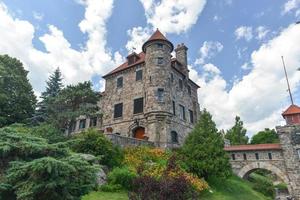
94, 142
49, 132
169, 188
281, 186
262, 184
111, 188
51, 179
121, 176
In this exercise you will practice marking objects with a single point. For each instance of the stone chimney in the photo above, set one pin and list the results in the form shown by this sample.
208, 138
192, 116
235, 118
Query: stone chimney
181, 56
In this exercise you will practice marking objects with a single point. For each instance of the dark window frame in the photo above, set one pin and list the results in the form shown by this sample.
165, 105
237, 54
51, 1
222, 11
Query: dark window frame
160, 45
256, 156
172, 77
160, 61
270, 156
174, 137
182, 112
82, 124
189, 90
174, 108
298, 151
233, 156
120, 82
180, 83
139, 75
118, 110
245, 156
191, 113
138, 105
160, 94
93, 122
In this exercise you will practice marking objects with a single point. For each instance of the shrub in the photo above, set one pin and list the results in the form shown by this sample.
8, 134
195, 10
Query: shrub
281, 186
262, 184
121, 176
169, 188
49, 132
111, 188
94, 142
52, 179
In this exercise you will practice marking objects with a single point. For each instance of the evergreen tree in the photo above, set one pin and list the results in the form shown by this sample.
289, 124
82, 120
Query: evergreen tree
17, 100
264, 137
237, 134
203, 150
54, 86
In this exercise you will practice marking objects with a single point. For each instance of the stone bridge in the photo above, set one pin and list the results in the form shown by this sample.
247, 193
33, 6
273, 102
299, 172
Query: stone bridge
282, 159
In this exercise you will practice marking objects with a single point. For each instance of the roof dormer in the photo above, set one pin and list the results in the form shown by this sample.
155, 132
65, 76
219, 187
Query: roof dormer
132, 58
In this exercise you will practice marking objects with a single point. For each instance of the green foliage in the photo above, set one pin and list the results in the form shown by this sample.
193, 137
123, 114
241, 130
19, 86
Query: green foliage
203, 150
237, 134
73, 101
262, 184
264, 137
17, 100
111, 188
49, 132
54, 86
281, 186
122, 176
122, 195
51, 178
93, 142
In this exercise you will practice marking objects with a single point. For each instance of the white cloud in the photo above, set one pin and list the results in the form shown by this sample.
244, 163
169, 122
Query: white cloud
244, 32
169, 16
216, 18
137, 36
290, 5
38, 16
172, 16
260, 96
17, 35
246, 66
261, 32
208, 50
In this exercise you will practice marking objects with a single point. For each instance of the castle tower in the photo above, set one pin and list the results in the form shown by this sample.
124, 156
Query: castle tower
157, 51
292, 115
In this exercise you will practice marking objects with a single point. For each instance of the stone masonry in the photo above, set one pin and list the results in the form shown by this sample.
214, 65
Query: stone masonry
170, 102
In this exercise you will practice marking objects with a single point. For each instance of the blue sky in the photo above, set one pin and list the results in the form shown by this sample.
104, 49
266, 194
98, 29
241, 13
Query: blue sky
234, 46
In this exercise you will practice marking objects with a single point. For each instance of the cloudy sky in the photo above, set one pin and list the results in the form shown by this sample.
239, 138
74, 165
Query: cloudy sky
235, 47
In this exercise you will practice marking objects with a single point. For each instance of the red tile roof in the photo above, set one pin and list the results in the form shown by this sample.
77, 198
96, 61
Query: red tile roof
293, 109
125, 65
253, 147
157, 35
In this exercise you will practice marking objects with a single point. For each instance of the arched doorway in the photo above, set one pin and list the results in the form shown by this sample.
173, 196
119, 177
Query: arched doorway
139, 133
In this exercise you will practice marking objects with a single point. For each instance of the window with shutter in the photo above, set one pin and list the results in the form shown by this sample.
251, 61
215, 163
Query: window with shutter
118, 112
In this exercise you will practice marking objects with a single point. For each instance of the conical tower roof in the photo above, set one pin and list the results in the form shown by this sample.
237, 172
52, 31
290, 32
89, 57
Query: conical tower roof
157, 36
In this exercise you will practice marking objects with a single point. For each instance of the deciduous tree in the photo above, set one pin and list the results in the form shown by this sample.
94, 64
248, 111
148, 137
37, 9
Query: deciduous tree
237, 134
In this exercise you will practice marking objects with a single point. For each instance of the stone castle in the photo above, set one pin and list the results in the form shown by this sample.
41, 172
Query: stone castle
150, 96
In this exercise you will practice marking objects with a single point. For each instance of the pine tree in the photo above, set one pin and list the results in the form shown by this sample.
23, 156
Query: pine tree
237, 134
17, 100
54, 86
203, 150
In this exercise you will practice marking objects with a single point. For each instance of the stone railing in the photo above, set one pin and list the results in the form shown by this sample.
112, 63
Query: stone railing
124, 141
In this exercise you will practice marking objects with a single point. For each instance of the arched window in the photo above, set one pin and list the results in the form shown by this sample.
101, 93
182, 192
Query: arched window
174, 137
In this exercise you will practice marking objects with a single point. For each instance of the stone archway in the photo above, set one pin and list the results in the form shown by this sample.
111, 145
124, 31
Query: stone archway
246, 170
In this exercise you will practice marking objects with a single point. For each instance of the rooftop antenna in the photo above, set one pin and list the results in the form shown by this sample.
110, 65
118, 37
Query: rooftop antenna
287, 80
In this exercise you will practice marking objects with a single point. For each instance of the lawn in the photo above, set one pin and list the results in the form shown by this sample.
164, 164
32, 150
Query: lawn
106, 196
232, 189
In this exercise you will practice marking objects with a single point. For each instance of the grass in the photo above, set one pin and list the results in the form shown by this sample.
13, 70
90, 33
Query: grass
232, 189
106, 196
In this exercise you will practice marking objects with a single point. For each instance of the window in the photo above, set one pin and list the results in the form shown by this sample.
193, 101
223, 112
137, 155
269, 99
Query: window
298, 150
245, 156
93, 121
191, 116
233, 156
120, 82
182, 112
172, 77
118, 112
160, 45
139, 75
160, 94
270, 156
174, 137
174, 108
189, 90
180, 84
256, 156
138, 105
82, 124
72, 127
160, 60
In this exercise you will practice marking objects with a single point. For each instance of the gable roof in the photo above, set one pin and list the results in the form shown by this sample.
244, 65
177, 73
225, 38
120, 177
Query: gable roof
293, 109
253, 147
